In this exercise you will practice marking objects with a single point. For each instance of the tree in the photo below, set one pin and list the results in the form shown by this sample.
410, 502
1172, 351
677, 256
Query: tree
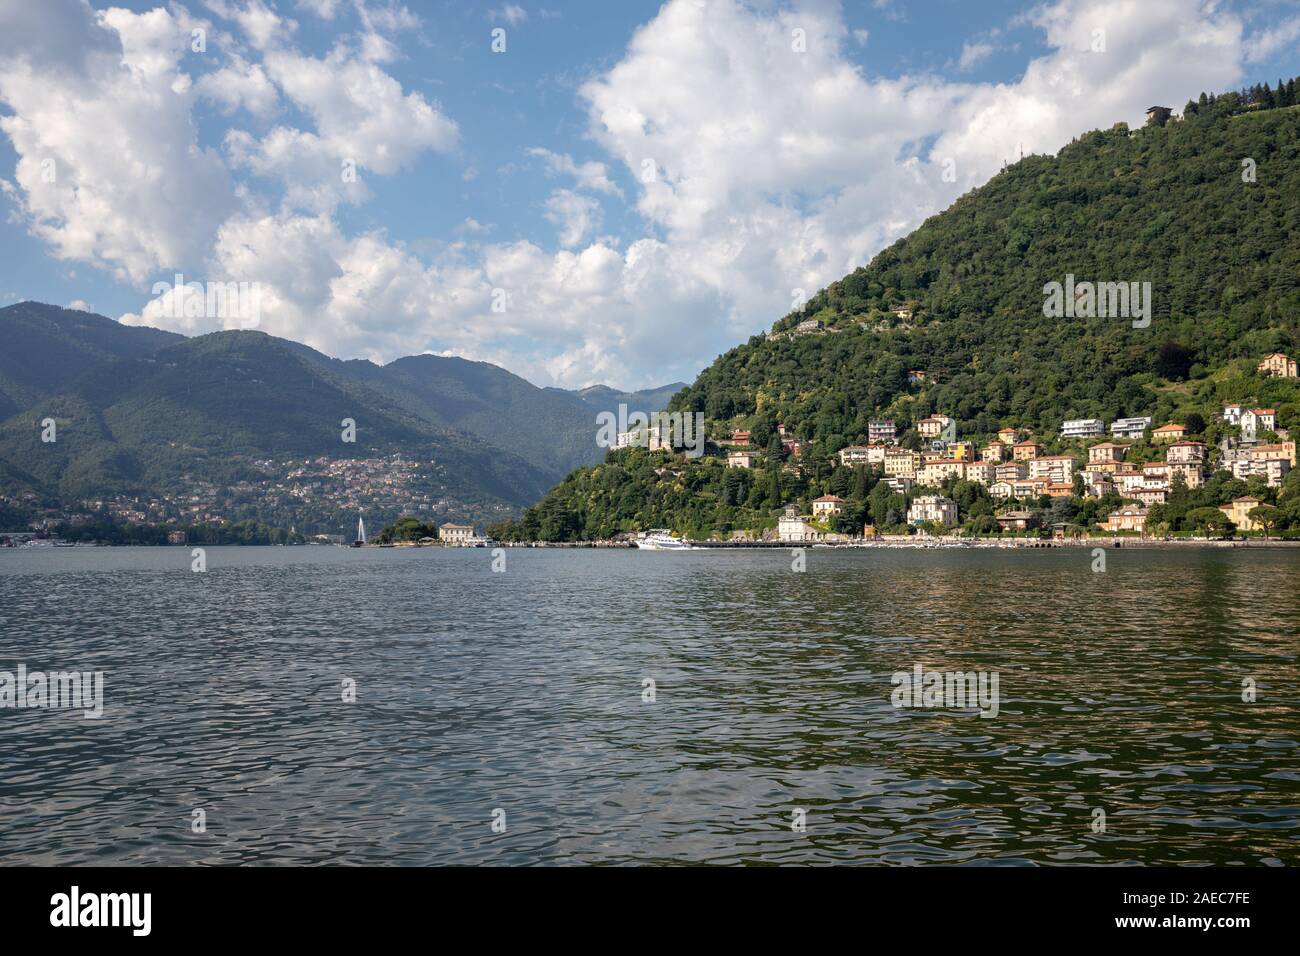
1174, 361
1267, 516
1194, 422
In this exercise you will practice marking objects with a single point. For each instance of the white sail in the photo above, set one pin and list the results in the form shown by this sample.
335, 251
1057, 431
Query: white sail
361, 530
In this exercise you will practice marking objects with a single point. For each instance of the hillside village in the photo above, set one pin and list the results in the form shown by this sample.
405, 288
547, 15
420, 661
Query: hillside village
1092, 477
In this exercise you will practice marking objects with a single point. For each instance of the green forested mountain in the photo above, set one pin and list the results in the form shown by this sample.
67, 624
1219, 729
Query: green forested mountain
1205, 208
46, 348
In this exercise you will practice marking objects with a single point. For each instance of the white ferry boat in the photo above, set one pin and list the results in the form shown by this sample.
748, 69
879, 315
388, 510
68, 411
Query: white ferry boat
661, 539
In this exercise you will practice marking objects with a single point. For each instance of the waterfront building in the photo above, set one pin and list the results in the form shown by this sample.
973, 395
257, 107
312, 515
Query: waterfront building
456, 535
1018, 520
934, 508
1128, 518
1238, 512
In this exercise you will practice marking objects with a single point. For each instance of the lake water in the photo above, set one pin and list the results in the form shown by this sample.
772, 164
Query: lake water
519, 696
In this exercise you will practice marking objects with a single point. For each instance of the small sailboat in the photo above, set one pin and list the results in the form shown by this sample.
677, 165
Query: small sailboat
361, 533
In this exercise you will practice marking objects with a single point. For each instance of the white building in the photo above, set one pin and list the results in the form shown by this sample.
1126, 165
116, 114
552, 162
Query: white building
1273, 470
793, 528
884, 431
456, 535
1059, 469
934, 426
1082, 428
934, 508
1130, 427
1258, 420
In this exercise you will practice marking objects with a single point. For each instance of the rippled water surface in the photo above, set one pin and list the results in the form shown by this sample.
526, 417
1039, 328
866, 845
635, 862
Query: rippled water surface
523, 691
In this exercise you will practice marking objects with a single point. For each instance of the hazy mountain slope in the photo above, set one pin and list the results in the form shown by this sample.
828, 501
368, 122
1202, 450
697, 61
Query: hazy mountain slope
185, 410
602, 398
553, 430
46, 348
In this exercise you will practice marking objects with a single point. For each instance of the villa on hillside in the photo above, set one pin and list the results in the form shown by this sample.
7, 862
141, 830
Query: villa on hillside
1082, 428
1025, 450
882, 431
933, 426
827, 505
1169, 432
1258, 420
1278, 365
1130, 427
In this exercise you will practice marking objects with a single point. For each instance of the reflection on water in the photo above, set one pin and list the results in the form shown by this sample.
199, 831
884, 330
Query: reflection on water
523, 691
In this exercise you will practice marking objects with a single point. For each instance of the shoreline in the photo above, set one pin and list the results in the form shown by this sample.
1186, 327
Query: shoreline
930, 544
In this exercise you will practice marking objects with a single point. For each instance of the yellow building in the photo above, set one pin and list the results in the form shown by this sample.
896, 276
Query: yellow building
1238, 512
1278, 365
1025, 450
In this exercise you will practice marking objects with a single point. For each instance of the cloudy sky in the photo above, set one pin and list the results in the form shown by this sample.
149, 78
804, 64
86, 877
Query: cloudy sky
636, 186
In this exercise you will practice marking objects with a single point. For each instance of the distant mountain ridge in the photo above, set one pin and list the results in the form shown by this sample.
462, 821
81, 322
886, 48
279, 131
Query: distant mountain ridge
145, 411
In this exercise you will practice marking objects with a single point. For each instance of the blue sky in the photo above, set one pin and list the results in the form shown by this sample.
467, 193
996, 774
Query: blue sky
786, 143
